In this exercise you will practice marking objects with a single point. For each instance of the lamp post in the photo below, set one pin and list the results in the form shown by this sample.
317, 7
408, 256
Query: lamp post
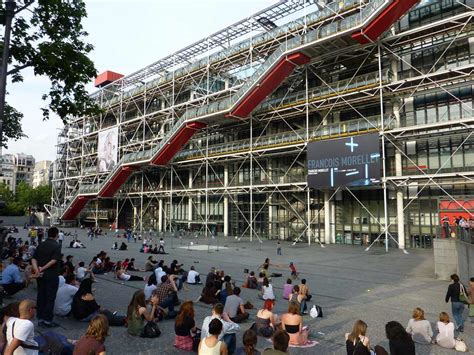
10, 6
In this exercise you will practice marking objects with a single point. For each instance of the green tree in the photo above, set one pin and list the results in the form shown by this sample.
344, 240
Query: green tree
50, 39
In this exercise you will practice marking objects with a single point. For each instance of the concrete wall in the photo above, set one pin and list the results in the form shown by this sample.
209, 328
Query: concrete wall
452, 256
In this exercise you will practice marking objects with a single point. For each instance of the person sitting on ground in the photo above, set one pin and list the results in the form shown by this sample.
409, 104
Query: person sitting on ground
227, 290
265, 320
125, 264
96, 265
65, 295
10, 310
260, 279
299, 299
249, 341
292, 322
219, 280
159, 273
287, 289
137, 312
229, 328
167, 293
267, 291
84, 306
21, 331
209, 293
445, 337
82, 272
115, 246
357, 343
150, 286
234, 307
123, 276
76, 244
69, 263
419, 328
281, 340
193, 277
211, 276
304, 290
211, 344
108, 265
185, 327
93, 342
251, 280
123, 246
175, 268
62, 276
11, 278
400, 341
150, 264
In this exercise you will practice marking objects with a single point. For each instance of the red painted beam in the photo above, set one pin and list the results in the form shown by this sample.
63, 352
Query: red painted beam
177, 142
269, 83
117, 181
76, 207
381, 23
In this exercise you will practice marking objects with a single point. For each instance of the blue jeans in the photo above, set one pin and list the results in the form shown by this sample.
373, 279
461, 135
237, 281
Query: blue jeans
168, 303
457, 308
230, 341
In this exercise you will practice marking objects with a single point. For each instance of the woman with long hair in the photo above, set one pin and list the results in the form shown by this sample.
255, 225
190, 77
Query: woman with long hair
265, 320
400, 341
419, 328
121, 274
209, 293
445, 337
357, 343
267, 290
292, 322
249, 341
185, 327
137, 312
457, 307
84, 306
93, 341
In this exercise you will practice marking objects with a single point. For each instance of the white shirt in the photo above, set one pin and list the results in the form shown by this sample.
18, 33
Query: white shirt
445, 338
62, 281
149, 291
25, 331
81, 272
159, 273
124, 277
61, 236
268, 292
162, 242
64, 296
227, 327
192, 276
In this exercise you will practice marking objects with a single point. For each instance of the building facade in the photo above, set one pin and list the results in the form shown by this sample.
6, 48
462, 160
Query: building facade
214, 141
17, 168
41, 174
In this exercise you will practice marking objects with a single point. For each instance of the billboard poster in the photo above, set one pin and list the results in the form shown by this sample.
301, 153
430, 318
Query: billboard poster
352, 161
107, 149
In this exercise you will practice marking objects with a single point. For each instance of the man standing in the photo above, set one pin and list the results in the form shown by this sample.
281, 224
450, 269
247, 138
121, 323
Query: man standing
21, 331
46, 267
61, 238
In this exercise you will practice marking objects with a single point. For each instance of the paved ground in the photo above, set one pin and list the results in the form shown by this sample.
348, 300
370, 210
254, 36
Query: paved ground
347, 282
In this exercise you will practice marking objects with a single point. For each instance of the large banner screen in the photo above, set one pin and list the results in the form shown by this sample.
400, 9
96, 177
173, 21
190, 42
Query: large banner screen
352, 161
107, 149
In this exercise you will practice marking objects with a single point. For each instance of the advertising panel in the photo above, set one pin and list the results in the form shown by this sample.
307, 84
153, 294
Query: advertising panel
107, 149
352, 161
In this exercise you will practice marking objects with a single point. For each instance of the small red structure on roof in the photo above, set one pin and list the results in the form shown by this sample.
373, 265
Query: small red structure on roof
106, 78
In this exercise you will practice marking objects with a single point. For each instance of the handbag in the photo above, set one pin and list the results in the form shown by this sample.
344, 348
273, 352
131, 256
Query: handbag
460, 345
151, 330
463, 298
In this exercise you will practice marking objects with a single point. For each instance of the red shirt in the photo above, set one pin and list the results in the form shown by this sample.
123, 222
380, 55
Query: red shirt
293, 268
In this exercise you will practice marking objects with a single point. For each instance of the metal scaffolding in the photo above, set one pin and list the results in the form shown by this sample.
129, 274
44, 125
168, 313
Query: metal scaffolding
245, 177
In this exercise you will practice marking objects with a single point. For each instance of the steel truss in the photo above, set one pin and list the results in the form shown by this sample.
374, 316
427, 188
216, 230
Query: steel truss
248, 176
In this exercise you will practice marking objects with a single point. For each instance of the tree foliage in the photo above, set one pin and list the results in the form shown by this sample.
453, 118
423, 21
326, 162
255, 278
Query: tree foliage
50, 39
25, 199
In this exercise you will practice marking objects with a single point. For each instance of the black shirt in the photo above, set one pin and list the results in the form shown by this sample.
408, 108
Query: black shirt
453, 293
399, 347
185, 328
44, 253
358, 349
82, 309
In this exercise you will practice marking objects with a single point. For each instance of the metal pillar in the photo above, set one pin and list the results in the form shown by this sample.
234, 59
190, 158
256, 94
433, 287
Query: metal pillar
160, 215
190, 199
226, 202
327, 218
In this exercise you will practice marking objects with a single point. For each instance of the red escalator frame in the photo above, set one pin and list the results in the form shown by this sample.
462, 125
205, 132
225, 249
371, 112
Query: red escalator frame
76, 206
177, 142
269, 83
117, 180
381, 23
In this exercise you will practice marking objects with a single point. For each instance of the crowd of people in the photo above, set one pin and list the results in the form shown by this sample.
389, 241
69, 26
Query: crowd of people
65, 289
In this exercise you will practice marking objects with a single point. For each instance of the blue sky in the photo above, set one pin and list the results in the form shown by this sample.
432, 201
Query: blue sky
127, 35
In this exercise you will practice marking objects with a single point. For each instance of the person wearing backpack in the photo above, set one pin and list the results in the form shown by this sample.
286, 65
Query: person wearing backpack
21, 331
